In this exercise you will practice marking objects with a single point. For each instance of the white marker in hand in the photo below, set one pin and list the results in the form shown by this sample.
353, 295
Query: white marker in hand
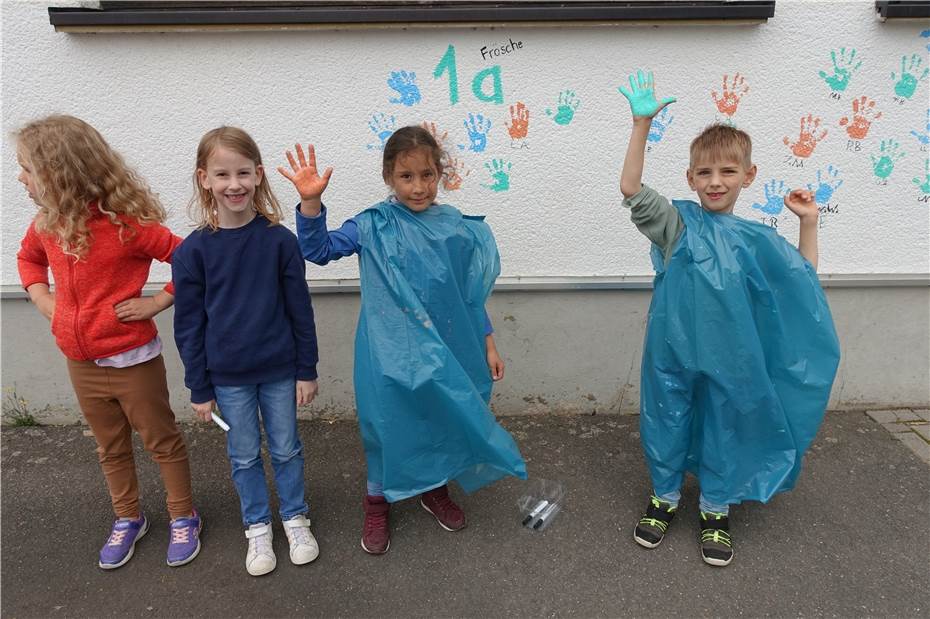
219, 421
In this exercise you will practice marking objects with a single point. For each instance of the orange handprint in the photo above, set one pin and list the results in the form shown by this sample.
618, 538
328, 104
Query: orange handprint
434, 131
452, 176
863, 117
807, 141
520, 125
728, 103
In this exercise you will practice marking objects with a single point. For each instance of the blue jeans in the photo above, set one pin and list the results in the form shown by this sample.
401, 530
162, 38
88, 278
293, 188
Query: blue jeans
703, 504
240, 408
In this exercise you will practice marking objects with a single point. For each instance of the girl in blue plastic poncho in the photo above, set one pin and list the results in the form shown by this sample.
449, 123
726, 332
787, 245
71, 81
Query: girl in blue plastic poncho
425, 356
740, 350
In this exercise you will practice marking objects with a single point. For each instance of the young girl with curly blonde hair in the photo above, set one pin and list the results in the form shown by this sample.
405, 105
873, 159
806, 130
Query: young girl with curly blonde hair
98, 228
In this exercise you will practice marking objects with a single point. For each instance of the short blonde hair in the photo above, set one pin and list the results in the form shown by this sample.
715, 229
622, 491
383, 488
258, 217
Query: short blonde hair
722, 142
202, 209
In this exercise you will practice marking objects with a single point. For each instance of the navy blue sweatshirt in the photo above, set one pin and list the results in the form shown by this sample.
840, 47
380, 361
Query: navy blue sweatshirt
242, 313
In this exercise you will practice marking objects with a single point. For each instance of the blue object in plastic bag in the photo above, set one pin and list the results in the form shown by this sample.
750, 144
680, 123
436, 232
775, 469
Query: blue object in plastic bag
422, 382
739, 358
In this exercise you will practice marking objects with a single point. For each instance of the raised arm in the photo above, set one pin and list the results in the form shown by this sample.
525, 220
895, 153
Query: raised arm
309, 184
644, 107
801, 202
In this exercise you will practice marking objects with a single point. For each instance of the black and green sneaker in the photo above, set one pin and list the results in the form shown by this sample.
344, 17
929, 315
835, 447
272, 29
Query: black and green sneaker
652, 527
716, 545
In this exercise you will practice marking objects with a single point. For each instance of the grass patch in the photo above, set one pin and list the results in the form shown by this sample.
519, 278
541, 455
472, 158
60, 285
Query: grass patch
16, 411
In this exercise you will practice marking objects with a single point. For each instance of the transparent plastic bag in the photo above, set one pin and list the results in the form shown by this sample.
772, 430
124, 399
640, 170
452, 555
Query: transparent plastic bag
541, 503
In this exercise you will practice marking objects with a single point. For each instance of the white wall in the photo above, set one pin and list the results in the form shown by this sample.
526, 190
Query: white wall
154, 95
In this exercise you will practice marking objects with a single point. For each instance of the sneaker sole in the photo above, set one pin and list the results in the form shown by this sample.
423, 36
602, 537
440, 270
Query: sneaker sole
645, 543
132, 550
423, 505
371, 552
193, 555
310, 560
716, 562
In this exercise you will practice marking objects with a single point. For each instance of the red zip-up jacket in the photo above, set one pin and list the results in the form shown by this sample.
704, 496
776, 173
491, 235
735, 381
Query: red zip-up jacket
84, 323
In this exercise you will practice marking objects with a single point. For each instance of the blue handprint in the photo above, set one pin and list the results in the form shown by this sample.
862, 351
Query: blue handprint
924, 137
926, 35
775, 192
477, 126
405, 85
565, 111
641, 95
827, 184
500, 174
907, 84
659, 125
842, 69
382, 126
889, 154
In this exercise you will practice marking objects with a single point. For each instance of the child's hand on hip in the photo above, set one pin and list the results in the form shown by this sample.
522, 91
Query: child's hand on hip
641, 96
801, 202
46, 305
306, 391
307, 180
204, 409
140, 308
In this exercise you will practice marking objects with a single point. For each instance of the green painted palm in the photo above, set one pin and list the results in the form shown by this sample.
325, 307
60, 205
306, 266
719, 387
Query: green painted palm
641, 95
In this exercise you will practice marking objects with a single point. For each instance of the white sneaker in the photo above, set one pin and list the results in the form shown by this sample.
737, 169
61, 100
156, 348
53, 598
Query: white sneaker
304, 548
260, 559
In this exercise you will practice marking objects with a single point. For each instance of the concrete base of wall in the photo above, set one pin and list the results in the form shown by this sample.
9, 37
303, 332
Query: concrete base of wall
572, 351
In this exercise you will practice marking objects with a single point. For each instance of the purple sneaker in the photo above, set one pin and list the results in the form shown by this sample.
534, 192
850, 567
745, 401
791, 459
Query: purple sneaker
185, 540
122, 542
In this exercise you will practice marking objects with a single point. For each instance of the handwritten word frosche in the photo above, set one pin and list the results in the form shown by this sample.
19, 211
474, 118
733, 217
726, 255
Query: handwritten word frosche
494, 52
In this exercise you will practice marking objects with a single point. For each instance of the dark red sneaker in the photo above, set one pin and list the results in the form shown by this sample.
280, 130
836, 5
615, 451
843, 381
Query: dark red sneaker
449, 515
376, 534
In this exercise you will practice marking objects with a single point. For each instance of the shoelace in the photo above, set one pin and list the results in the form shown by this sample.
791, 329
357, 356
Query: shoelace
300, 535
262, 544
180, 535
445, 504
715, 535
375, 521
116, 538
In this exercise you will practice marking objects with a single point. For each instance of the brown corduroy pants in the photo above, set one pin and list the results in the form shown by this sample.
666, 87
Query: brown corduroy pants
116, 401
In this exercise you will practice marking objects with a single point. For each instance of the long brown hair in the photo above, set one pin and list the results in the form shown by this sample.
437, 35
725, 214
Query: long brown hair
202, 209
73, 166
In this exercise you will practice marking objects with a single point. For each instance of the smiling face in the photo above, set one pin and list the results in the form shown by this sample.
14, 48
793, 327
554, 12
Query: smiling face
27, 177
232, 179
718, 183
414, 179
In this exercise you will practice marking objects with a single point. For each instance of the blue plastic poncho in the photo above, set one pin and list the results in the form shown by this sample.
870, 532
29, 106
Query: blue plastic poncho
422, 382
739, 358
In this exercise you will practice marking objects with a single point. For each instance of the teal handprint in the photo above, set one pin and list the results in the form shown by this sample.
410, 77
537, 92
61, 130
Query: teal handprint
889, 153
641, 95
907, 84
842, 69
565, 111
774, 198
925, 185
500, 174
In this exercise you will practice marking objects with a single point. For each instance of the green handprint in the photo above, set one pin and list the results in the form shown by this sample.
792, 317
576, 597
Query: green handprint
906, 86
500, 174
889, 154
642, 95
842, 70
924, 186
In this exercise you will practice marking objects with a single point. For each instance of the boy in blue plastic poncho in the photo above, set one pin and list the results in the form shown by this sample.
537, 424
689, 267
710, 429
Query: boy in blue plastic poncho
740, 350
425, 356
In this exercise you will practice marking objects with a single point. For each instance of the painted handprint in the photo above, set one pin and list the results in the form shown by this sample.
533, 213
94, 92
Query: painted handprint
827, 184
907, 83
924, 136
642, 97
889, 153
807, 140
660, 124
926, 35
500, 174
565, 111
925, 185
774, 198
863, 116
454, 174
732, 94
842, 69
434, 131
519, 121
477, 127
382, 126
405, 85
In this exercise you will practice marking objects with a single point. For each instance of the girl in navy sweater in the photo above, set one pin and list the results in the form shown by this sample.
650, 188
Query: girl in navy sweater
244, 327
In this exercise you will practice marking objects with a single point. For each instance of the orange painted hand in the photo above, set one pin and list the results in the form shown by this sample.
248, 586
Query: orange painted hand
520, 121
308, 182
728, 103
807, 140
864, 115
434, 131
452, 176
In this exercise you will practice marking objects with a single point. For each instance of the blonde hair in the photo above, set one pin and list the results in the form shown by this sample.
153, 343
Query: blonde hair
722, 142
73, 166
202, 208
